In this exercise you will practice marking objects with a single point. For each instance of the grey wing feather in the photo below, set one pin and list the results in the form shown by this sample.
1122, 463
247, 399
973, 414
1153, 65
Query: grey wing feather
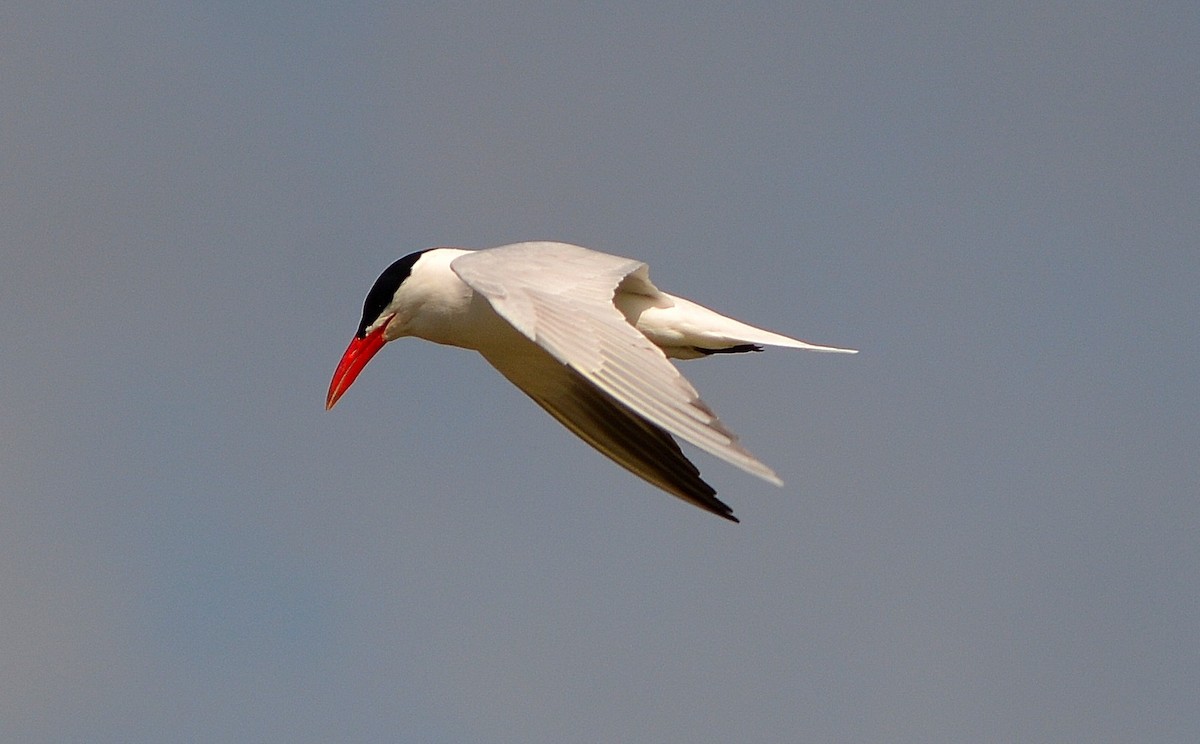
618, 433
560, 296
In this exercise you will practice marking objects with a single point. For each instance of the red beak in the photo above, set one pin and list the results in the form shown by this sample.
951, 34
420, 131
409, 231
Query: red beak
358, 353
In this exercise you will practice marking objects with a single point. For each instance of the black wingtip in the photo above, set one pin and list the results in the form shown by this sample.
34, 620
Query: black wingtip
713, 505
739, 349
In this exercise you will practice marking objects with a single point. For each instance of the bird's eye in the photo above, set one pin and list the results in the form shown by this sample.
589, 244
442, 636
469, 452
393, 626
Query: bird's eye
384, 291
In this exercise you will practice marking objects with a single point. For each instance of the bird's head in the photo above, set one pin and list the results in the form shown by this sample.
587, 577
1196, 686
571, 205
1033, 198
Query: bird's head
379, 311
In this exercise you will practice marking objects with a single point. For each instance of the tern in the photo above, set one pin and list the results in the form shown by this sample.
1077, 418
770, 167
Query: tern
587, 336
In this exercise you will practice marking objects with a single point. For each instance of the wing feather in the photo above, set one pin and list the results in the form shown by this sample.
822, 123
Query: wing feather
623, 436
560, 296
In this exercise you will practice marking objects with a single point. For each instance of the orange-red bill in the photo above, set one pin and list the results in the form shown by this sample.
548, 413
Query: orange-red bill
358, 353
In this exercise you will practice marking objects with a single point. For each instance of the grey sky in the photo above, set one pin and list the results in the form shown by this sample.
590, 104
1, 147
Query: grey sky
990, 525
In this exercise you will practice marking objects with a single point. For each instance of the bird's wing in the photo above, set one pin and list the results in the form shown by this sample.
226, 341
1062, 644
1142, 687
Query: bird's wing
618, 433
560, 296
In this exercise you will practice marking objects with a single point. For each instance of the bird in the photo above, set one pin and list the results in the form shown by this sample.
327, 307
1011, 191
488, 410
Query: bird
587, 336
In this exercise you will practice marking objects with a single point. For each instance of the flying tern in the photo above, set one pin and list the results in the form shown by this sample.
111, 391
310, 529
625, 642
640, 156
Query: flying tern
587, 336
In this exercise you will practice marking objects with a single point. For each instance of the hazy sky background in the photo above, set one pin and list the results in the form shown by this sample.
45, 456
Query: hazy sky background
991, 525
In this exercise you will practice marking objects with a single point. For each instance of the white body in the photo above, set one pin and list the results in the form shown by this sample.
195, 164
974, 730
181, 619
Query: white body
587, 336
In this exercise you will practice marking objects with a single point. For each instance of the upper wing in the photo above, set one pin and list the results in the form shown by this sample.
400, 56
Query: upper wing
561, 297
